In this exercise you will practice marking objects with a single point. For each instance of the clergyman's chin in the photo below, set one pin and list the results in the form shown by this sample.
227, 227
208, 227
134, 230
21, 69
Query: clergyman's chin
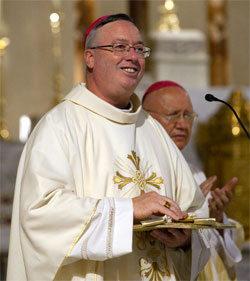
180, 144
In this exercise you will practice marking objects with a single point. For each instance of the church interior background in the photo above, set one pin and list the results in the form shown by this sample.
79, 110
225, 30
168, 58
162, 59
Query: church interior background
201, 44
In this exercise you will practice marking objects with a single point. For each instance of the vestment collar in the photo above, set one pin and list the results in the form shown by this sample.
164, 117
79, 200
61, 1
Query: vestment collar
82, 96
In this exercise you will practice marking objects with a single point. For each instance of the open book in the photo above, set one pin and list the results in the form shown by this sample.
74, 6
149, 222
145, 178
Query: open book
190, 222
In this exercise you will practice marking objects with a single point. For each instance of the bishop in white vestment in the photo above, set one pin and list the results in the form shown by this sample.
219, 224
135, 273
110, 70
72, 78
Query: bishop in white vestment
73, 214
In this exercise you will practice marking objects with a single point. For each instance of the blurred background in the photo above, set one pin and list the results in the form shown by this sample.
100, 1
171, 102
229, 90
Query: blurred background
201, 44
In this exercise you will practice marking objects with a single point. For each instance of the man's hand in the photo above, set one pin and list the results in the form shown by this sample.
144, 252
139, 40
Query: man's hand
173, 237
207, 185
152, 203
221, 198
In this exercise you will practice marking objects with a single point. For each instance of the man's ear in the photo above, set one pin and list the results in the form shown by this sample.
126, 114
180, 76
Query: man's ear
89, 58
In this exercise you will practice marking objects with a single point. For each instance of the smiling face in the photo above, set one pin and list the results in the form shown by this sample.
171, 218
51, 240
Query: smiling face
114, 77
169, 101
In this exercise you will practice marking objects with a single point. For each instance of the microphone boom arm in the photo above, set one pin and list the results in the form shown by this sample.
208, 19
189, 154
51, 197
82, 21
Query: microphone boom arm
210, 98
235, 113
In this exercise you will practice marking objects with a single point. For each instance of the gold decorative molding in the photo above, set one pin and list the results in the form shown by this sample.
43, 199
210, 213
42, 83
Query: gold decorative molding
168, 20
225, 151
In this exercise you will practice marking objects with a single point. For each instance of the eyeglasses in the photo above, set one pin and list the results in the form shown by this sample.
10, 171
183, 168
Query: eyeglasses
123, 49
174, 117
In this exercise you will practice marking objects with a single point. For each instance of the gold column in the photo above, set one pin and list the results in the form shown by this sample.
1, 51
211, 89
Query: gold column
85, 11
138, 12
4, 42
55, 24
220, 73
225, 150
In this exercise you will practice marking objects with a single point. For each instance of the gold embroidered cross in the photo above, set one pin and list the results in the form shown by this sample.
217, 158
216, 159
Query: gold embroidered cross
137, 175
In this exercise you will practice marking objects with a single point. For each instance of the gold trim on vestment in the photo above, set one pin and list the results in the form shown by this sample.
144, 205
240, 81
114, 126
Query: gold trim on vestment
78, 237
110, 228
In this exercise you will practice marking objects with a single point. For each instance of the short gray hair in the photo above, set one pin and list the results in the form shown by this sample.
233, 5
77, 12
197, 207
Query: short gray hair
106, 20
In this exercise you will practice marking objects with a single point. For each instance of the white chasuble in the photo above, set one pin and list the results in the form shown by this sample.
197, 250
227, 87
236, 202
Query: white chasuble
84, 161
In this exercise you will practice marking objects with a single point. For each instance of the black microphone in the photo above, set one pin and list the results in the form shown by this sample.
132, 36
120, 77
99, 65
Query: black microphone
210, 98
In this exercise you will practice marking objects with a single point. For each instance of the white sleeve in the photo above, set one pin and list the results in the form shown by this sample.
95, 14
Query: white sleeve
111, 223
188, 264
225, 245
200, 251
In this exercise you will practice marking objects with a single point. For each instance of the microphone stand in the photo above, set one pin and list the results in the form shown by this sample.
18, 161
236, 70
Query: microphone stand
211, 98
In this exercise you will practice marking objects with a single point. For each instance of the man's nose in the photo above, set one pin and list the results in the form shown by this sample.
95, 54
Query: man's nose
181, 122
132, 53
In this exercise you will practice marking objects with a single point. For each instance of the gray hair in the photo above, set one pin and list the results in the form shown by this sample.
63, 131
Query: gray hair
106, 20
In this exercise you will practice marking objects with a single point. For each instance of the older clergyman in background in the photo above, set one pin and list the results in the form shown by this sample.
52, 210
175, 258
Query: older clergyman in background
92, 166
169, 103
